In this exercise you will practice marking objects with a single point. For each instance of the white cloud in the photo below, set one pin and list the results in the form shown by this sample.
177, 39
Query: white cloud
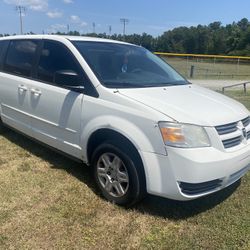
54, 14
68, 1
37, 5
75, 19
78, 21
56, 27
83, 24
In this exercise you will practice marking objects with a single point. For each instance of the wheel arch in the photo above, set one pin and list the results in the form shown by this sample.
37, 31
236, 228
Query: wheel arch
116, 126
123, 143
106, 134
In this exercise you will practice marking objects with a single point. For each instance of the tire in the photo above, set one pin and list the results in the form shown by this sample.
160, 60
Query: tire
1, 126
118, 174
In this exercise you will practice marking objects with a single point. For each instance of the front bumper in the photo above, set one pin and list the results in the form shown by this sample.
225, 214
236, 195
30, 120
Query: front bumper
186, 174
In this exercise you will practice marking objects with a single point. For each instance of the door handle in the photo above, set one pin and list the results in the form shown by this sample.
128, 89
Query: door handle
36, 92
22, 88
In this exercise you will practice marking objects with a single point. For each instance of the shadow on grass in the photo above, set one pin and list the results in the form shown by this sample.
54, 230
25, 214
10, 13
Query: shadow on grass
178, 210
173, 210
56, 160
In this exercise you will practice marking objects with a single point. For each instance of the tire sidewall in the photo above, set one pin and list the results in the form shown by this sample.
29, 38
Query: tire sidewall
133, 191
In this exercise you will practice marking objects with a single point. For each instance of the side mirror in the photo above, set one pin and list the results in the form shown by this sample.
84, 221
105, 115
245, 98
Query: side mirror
68, 79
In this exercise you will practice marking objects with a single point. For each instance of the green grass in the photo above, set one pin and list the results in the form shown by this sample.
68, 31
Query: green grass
209, 69
49, 202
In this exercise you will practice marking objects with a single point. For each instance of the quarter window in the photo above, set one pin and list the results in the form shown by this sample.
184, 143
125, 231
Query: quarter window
55, 57
20, 57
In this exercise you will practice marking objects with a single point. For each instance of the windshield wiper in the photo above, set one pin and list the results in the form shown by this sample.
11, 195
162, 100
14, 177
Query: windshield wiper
175, 83
124, 85
137, 85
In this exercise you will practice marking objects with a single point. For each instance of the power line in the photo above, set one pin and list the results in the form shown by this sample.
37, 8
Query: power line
124, 21
21, 10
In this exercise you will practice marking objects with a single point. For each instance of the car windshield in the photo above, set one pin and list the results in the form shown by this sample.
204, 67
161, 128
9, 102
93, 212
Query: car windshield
127, 66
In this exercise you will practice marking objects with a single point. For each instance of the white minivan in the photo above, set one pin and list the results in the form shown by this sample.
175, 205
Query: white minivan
124, 111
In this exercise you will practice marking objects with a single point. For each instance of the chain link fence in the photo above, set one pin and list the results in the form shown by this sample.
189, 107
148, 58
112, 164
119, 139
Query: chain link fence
209, 66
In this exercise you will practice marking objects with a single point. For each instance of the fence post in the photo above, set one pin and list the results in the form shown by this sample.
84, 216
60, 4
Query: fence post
238, 66
245, 88
192, 71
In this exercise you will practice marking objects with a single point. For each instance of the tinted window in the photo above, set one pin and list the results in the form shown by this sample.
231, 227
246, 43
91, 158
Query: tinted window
20, 57
127, 66
1, 52
55, 57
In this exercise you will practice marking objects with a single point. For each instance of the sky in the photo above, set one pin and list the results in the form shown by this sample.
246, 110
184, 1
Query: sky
150, 16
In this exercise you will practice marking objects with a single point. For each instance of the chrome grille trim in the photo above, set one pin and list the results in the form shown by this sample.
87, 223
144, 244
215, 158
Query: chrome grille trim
246, 121
233, 133
226, 129
229, 143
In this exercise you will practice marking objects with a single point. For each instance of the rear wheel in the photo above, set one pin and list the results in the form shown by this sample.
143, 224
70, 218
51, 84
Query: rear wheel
118, 174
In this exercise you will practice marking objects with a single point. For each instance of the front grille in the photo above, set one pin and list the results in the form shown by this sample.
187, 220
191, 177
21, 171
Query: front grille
232, 136
229, 143
198, 188
226, 129
246, 121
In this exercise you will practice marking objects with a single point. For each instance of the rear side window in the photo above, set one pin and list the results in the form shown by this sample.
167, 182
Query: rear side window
55, 57
1, 50
2, 46
21, 57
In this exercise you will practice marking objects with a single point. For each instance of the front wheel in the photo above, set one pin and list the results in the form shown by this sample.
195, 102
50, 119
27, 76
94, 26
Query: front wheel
2, 129
118, 175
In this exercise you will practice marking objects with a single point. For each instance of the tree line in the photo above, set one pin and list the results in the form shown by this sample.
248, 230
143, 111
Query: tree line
231, 39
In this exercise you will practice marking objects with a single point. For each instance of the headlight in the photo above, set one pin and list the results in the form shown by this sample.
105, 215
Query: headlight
183, 135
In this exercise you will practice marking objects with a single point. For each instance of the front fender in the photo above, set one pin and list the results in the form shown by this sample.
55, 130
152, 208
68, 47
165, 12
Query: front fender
126, 128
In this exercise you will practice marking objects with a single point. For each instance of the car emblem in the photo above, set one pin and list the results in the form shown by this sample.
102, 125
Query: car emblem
244, 133
241, 127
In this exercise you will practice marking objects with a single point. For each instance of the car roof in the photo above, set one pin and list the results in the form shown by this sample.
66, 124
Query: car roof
61, 38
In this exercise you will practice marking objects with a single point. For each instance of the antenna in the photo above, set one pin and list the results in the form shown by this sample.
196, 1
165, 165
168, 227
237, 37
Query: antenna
21, 10
124, 21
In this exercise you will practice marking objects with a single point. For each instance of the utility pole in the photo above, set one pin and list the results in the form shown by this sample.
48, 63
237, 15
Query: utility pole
124, 21
67, 28
93, 24
21, 10
110, 30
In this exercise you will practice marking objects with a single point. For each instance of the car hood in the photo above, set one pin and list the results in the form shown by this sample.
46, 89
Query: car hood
190, 104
